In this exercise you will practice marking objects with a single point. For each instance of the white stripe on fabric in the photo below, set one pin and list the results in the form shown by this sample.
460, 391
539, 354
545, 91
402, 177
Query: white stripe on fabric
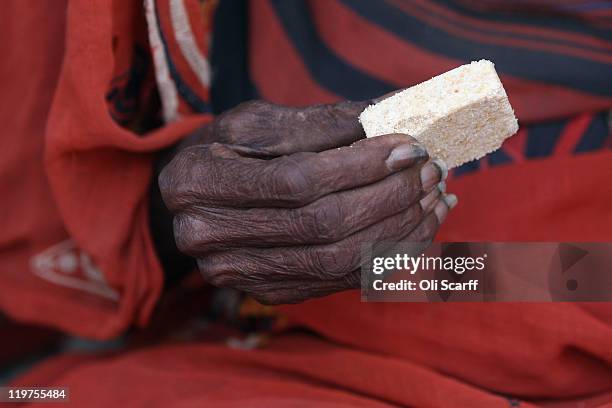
187, 43
165, 84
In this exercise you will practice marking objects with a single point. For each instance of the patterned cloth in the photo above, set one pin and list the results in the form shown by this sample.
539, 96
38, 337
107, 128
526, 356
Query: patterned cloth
555, 58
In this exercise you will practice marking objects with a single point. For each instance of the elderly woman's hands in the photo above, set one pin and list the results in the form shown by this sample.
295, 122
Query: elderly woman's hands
276, 209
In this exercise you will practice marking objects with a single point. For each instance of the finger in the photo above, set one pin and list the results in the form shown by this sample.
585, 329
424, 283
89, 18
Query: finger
447, 203
278, 130
329, 219
217, 175
295, 291
274, 293
319, 262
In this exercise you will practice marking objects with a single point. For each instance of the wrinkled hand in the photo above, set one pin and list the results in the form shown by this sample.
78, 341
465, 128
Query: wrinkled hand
276, 209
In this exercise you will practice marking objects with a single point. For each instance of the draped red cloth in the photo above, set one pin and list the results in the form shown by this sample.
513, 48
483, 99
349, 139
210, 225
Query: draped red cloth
76, 250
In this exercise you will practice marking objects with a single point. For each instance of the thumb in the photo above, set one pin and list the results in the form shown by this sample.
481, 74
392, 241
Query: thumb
281, 130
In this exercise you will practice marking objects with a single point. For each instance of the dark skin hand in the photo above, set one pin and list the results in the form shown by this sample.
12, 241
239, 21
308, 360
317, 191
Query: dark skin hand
276, 201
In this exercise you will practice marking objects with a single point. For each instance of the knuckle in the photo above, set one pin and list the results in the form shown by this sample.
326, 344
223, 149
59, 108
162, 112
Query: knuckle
182, 235
325, 220
180, 180
165, 182
226, 126
291, 183
335, 260
170, 179
231, 126
194, 237
216, 271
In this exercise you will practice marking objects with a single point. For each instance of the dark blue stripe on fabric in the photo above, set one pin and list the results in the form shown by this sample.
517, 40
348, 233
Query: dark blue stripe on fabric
559, 21
229, 57
329, 70
515, 34
189, 96
595, 136
499, 157
466, 168
546, 67
596, 5
542, 138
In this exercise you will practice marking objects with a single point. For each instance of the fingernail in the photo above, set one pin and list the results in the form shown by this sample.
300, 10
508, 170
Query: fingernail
428, 201
443, 168
441, 211
405, 155
442, 186
433, 173
450, 200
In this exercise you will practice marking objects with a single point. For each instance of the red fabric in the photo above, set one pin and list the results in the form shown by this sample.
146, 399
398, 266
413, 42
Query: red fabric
276, 65
526, 96
298, 370
273, 85
93, 183
29, 72
561, 199
292, 371
100, 172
